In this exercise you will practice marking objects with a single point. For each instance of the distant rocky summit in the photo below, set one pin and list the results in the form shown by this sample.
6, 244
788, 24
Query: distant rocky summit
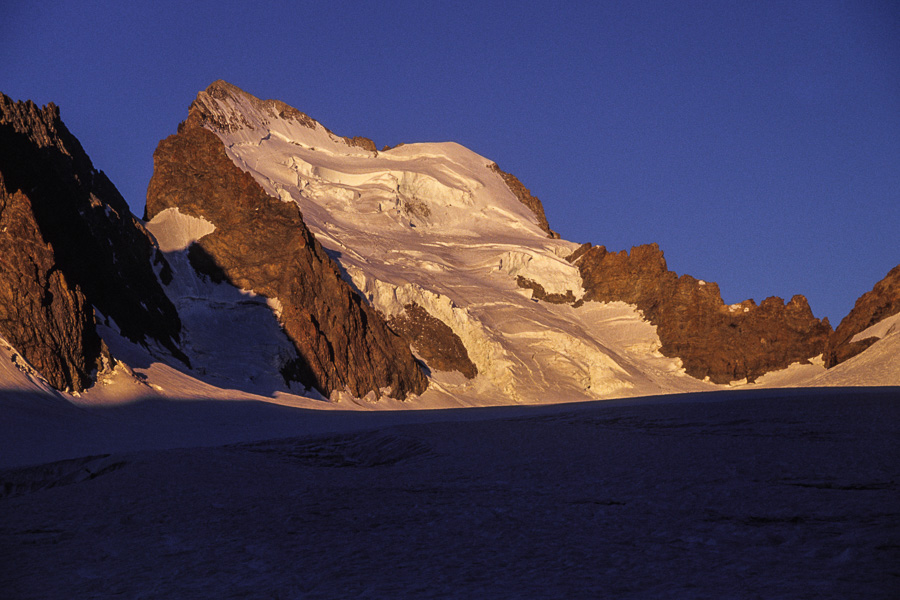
881, 302
70, 245
261, 243
724, 343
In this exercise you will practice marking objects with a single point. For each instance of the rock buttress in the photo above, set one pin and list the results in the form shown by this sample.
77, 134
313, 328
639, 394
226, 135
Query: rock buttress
262, 244
439, 347
42, 315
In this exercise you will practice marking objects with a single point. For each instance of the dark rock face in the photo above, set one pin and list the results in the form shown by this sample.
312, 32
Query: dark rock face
69, 233
713, 340
261, 243
881, 302
435, 342
46, 318
525, 197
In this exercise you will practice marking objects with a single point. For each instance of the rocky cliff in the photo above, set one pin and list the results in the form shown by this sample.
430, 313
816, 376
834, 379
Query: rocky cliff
41, 313
724, 343
876, 305
261, 243
69, 244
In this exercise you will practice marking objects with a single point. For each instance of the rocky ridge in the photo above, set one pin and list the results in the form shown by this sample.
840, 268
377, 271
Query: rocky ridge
262, 244
881, 302
70, 245
723, 343
215, 120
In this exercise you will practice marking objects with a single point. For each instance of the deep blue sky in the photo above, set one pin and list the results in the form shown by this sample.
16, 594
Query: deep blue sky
758, 143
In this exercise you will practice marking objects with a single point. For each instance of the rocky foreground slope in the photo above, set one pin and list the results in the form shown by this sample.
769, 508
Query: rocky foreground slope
276, 252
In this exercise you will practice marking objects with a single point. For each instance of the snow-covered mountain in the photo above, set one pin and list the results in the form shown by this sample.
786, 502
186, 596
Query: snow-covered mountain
436, 228
304, 265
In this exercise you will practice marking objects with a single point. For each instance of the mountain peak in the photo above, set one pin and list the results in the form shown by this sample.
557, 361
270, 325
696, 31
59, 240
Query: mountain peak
225, 109
431, 185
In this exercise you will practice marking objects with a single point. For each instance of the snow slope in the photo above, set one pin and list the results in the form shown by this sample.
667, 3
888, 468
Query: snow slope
879, 364
787, 494
232, 336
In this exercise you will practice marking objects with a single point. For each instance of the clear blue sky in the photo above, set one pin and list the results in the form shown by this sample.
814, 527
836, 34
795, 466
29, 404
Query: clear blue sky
757, 142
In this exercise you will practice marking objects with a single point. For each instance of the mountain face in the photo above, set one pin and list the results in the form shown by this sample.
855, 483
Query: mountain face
432, 236
724, 343
261, 243
41, 313
277, 255
459, 257
70, 245
873, 307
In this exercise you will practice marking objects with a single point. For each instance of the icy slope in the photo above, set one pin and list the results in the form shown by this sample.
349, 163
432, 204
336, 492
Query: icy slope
742, 495
436, 225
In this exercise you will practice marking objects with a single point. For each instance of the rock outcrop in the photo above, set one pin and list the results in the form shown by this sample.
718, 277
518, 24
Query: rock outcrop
261, 243
724, 343
70, 245
439, 347
524, 195
881, 302
539, 293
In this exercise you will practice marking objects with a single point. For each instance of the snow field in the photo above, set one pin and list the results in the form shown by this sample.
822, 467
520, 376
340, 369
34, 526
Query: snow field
733, 494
